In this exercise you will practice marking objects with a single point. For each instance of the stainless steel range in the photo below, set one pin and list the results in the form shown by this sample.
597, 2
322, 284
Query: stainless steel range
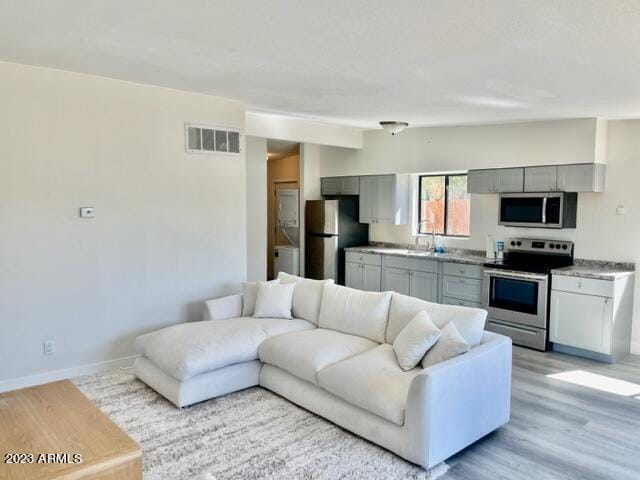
516, 290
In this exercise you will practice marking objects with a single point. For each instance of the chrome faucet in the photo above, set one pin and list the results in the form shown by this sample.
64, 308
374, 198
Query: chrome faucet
432, 245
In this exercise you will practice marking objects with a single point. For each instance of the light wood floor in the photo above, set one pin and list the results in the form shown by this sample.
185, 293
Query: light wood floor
559, 430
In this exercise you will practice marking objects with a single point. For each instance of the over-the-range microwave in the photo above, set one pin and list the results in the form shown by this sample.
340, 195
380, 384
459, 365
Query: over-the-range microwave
541, 210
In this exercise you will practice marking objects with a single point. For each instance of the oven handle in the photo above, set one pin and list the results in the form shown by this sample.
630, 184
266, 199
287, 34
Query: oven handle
526, 276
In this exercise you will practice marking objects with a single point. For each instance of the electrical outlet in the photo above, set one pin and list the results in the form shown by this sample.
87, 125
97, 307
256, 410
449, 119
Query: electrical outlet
48, 347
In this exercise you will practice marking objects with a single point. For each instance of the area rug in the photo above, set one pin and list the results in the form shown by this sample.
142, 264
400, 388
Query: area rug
251, 434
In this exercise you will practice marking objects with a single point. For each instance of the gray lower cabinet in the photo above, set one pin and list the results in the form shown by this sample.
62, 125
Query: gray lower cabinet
462, 284
422, 285
363, 271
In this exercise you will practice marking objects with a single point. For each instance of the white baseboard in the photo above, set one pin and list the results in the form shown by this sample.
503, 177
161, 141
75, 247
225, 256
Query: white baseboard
54, 375
635, 348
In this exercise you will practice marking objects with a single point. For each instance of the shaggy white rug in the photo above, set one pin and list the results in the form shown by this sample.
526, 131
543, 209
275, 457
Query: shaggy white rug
252, 434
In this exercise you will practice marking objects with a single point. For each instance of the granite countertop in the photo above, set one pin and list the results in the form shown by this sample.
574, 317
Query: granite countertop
596, 270
469, 257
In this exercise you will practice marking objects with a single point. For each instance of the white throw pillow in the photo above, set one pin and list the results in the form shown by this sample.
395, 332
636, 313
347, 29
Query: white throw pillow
307, 296
449, 345
415, 340
249, 295
274, 300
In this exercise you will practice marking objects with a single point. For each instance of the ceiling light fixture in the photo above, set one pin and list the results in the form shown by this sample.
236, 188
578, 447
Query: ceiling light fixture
394, 127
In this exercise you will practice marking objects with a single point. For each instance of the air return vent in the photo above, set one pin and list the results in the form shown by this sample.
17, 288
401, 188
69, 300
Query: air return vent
203, 139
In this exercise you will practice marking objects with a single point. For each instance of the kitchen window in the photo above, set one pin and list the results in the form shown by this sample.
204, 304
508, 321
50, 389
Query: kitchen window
443, 202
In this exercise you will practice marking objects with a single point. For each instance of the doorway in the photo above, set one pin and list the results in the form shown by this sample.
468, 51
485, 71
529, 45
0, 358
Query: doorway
283, 173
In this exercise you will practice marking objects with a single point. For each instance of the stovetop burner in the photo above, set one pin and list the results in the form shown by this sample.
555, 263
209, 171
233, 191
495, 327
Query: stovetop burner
535, 256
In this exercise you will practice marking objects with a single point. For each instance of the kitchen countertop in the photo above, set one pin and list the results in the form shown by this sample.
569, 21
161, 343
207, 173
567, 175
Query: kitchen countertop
468, 258
598, 271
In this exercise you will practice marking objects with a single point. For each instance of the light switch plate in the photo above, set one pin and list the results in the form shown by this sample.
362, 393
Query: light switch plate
87, 212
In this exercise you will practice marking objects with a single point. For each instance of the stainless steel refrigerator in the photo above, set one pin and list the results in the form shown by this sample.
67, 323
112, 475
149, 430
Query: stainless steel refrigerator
330, 227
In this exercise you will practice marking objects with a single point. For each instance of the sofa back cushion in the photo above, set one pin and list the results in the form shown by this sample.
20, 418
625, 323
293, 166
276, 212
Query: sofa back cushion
307, 296
355, 312
249, 296
469, 321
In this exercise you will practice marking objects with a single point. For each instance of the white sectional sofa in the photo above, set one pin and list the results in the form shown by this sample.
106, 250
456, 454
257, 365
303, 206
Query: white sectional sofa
336, 359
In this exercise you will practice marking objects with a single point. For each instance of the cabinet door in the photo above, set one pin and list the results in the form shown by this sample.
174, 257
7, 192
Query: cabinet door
386, 201
368, 199
330, 186
350, 185
353, 275
371, 278
508, 180
424, 286
480, 181
396, 280
582, 321
541, 179
581, 178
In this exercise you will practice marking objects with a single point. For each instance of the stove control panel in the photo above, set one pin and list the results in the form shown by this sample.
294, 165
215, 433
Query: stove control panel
540, 245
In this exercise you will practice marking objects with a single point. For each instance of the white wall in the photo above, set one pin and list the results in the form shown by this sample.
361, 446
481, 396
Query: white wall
279, 127
601, 234
256, 154
169, 230
309, 188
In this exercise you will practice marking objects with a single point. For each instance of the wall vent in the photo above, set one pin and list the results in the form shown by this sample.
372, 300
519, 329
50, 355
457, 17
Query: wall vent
205, 139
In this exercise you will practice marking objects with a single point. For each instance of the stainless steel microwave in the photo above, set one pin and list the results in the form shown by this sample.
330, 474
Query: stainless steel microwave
542, 210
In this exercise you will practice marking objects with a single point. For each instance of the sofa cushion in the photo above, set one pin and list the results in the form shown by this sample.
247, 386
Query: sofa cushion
469, 321
307, 296
355, 312
372, 381
415, 340
189, 349
449, 345
274, 300
304, 354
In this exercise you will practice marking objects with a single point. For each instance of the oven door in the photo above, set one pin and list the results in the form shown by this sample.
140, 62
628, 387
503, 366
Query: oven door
516, 297
531, 210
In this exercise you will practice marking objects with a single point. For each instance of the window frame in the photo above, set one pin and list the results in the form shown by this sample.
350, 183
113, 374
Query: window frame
446, 203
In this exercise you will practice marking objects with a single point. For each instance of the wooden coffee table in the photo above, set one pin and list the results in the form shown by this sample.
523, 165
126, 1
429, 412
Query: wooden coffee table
53, 431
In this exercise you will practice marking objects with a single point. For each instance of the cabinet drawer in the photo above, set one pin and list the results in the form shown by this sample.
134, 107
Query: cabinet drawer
408, 263
463, 270
461, 303
462, 288
586, 286
366, 258
529, 337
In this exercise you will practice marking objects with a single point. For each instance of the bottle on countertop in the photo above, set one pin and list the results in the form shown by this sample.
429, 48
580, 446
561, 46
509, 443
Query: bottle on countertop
491, 247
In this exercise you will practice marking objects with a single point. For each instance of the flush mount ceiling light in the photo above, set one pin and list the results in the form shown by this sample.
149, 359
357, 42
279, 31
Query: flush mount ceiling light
394, 127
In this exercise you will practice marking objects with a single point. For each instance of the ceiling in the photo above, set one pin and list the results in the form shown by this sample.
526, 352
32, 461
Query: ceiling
436, 62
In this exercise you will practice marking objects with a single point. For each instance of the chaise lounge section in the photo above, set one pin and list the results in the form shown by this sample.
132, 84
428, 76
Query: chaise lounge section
336, 359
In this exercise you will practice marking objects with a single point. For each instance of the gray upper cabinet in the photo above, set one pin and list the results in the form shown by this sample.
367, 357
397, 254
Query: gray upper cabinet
340, 186
541, 179
499, 180
587, 177
384, 199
